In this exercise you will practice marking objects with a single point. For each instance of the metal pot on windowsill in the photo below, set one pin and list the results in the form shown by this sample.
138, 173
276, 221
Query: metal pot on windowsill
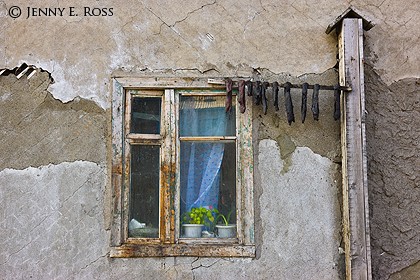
226, 231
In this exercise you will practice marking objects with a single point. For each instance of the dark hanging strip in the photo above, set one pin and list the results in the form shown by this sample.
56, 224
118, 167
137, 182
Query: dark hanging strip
289, 104
276, 95
337, 112
264, 97
228, 105
258, 93
315, 102
258, 90
304, 102
241, 97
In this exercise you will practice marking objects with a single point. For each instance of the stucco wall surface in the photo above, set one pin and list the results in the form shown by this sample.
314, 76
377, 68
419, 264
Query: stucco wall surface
393, 131
55, 216
227, 37
54, 166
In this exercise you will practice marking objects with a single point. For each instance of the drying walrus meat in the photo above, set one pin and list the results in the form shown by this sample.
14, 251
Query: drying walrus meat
249, 87
337, 112
241, 97
304, 101
228, 104
264, 97
276, 95
315, 102
258, 95
288, 103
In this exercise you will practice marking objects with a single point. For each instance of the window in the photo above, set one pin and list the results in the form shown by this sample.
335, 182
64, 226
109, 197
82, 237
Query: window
181, 170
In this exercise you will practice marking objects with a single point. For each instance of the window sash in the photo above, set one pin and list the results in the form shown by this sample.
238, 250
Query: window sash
169, 186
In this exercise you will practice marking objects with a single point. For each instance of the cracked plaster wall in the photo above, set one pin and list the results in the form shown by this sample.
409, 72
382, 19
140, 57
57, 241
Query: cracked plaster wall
58, 207
226, 37
55, 214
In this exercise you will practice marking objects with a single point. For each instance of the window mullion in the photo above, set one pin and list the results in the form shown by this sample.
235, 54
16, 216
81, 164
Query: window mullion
168, 170
245, 176
126, 168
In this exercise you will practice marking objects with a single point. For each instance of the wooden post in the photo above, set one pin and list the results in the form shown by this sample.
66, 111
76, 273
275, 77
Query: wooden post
354, 168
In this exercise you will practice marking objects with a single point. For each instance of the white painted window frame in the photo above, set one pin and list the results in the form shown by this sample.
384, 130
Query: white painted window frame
169, 243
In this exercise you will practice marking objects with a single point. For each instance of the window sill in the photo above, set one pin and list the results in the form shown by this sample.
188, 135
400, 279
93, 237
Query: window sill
184, 250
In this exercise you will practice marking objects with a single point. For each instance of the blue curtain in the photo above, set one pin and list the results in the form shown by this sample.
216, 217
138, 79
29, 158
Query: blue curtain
201, 161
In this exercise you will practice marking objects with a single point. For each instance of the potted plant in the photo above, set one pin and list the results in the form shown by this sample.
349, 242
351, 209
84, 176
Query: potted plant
194, 220
225, 230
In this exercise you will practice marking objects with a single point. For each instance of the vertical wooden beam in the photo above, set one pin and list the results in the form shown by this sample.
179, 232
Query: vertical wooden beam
355, 191
117, 168
245, 168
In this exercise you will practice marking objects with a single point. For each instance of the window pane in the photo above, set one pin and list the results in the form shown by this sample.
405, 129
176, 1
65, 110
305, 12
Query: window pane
206, 116
144, 192
145, 115
208, 181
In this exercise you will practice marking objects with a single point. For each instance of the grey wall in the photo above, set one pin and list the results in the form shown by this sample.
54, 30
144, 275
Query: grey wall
55, 152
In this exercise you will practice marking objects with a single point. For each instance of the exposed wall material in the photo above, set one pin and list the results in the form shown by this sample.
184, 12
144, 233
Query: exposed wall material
323, 136
393, 131
411, 272
36, 129
51, 220
303, 203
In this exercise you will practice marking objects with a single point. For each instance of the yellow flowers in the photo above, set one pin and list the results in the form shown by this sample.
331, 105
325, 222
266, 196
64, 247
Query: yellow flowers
199, 215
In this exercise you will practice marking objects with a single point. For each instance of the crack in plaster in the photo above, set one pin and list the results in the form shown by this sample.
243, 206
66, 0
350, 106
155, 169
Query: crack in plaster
172, 26
205, 266
178, 21
94, 261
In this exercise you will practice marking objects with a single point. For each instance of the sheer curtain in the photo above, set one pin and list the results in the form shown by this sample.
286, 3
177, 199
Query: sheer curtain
201, 161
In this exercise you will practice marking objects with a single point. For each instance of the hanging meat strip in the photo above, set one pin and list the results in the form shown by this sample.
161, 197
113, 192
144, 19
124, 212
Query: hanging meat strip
264, 97
258, 95
249, 87
276, 95
228, 104
304, 102
241, 97
315, 102
288, 103
337, 93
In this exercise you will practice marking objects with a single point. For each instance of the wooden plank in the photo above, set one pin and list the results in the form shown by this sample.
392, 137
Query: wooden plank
208, 138
364, 151
345, 206
354, 172
134, 136
116, 175
245, 177
165, 82
125, 188
188, 250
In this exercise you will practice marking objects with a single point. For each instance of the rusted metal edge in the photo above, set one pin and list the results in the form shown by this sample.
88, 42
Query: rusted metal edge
185, 250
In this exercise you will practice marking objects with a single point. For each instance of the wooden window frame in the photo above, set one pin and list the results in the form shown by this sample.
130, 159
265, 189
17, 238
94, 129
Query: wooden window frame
169, 242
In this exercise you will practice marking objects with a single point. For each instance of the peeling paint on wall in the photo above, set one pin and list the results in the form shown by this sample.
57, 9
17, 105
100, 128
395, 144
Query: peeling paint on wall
37, 129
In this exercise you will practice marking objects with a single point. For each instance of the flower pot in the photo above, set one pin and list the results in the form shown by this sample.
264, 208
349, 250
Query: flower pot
226, 231
192, 230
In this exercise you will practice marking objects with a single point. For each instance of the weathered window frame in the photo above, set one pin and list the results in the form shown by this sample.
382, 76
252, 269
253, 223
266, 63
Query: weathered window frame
169, 243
